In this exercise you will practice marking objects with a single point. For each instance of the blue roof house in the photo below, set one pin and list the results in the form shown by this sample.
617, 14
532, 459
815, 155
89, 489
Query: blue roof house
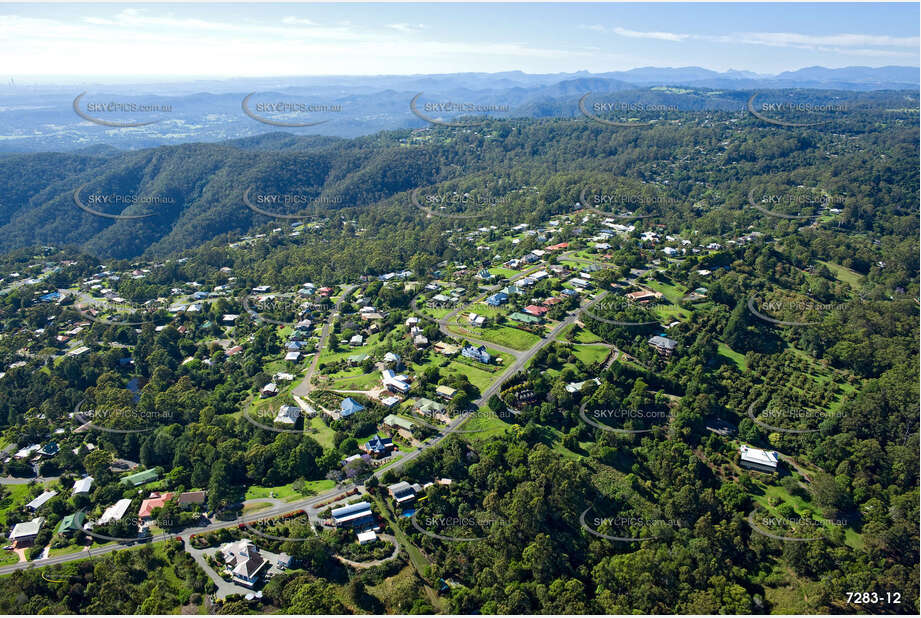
349, 406
478, 354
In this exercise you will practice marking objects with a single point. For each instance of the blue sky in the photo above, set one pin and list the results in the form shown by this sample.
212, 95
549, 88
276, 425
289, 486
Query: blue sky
243, 40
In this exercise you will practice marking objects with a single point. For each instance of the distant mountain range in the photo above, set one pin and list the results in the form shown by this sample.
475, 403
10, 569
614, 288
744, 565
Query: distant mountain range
36, 118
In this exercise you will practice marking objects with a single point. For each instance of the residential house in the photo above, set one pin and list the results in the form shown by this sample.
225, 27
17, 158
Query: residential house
445, 392
349, 407
524, 318
356, 341
140, 478
663, 345
83, 485
478, 354
536, 310
155, 501
115, 512
447, 349
269, 390
477, 321
758, 459
24, 533
394, 424
357, 515
432, 409
288, 415
377, 447
246, 562
192, 497
41, 500
394, 382
366, 537
497, 299
71, 524
643, 296
403, 493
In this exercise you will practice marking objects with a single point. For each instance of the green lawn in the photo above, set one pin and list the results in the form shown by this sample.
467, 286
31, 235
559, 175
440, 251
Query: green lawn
287, 492
589, 354
503, 272
361, 382
479, 378
851, 277
323, 434
345, 351
739, 359
507, 336
851, 537
14, 497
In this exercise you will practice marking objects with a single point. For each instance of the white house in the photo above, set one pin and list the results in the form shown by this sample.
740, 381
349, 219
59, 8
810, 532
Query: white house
83, 485
758, 459
288, 415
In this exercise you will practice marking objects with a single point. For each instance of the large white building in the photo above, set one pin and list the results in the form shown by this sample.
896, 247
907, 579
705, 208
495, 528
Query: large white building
758, 459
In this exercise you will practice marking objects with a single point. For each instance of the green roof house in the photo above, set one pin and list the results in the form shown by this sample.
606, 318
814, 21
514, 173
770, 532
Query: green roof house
72, 523
140, 478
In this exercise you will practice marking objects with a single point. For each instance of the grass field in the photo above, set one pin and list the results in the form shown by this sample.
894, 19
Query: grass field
589, 354
14, 496
287, 492
322, 434
503, 272
479, 378
727, 352
360, 382
501, 335
256, 506
851, 277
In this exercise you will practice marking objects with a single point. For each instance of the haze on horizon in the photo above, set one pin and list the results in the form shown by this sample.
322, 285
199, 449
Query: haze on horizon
71, 43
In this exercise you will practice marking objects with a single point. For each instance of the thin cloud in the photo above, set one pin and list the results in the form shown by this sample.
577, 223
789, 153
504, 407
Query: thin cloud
407, 28
854, 43
298, 21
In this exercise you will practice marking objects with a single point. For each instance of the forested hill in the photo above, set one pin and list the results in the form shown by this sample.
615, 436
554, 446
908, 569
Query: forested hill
702, 164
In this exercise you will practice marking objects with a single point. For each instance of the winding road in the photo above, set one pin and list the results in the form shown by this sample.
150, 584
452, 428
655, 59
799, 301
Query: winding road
521, 359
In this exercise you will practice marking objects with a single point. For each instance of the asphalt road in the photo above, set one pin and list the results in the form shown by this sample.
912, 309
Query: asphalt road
521, 360
304, 388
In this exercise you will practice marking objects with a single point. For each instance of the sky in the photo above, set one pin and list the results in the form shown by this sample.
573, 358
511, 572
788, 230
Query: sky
151, 41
